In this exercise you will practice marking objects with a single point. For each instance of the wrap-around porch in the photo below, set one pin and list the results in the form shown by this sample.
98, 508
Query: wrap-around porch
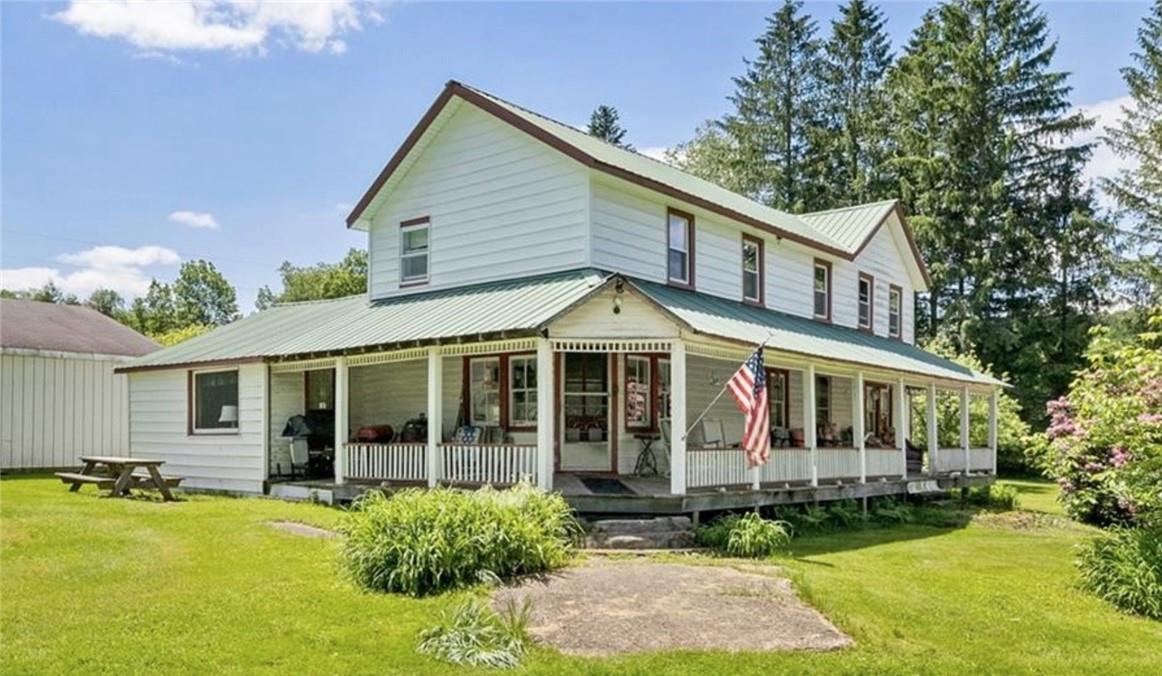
606, 425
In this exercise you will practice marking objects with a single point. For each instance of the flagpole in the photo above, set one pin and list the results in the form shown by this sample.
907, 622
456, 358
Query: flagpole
722, 390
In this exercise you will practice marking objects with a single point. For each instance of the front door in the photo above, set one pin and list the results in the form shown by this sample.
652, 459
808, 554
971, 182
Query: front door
585, 417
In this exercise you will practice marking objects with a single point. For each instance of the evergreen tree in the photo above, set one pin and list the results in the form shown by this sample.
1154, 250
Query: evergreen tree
605, 124
856, 61
776, 125
1138, 137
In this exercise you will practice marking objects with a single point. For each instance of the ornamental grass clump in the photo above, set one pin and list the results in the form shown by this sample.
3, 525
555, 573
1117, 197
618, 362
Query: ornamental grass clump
422, 542
749, 536
1124, 567
471, 633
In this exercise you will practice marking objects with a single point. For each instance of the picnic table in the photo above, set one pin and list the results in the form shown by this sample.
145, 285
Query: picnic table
118, 475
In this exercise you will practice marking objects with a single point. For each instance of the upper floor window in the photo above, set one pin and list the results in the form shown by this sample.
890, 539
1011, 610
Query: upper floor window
752, 270
895, 306
413, 251
522, 389
680, 248
822, 289
866, 301
214, 402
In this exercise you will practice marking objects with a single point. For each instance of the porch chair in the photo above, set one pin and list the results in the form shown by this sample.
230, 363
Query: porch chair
713, 433
300, 456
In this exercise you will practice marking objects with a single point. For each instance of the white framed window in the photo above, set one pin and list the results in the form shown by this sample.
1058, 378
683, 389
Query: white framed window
214, 402
778, 384
866, 301
413, 250
821, 289
522, 391
680, 248
895, 306
637, 392
663, 393
484, 391
752, 270
822, 400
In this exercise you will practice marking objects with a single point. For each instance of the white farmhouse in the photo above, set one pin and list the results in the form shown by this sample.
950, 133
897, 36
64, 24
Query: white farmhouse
59, 396
543, 304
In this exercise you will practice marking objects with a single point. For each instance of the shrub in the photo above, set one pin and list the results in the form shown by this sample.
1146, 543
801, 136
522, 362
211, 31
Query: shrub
890, 510
1124, 567
749, 536
471, 633
845, 514
995, 496
424, 541
1103, 445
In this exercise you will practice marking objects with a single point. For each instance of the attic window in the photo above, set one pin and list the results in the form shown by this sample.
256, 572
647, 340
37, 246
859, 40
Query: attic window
680, 248
413, 251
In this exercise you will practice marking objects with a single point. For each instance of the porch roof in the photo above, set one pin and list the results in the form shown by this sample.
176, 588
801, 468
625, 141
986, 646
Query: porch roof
736, 321
514, 307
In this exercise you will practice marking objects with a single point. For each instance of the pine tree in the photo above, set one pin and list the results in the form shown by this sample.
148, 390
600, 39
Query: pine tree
776, 126
856, 61
1138, 137
605, 124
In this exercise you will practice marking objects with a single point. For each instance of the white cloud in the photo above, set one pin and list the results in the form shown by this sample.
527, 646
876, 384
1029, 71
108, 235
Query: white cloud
154, 55
195, 219
1104, 163
108, 267
245, 26
658, 152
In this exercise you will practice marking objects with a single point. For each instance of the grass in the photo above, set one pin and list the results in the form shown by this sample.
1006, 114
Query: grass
99, 585
1036, 495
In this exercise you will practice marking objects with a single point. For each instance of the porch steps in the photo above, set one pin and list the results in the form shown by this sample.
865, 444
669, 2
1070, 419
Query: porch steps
663, 532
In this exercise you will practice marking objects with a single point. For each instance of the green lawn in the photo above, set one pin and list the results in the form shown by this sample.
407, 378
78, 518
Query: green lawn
1036, 495
91, 584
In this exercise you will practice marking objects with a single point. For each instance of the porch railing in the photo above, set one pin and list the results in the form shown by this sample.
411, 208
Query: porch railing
980, 459
488, 463
787, 465
884, 462
949, 460
716, 467
838, 463
387, 462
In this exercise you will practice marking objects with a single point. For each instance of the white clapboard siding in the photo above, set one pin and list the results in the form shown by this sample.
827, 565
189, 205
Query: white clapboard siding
882, 260
55, 407
501, 204
390, 394
158, 428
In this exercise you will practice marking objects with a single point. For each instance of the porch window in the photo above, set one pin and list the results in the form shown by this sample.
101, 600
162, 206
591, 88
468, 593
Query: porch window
413, 251
586, 397
522, 374
777, 396
637, 392
877, 410
484, 392
822, 400
663, 394
822, 289
866, 302
752, 270
680, 248
895, 303
214, 402
320, 389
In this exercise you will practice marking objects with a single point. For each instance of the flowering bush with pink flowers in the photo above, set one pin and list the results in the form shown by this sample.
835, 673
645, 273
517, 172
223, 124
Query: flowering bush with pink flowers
1103, 445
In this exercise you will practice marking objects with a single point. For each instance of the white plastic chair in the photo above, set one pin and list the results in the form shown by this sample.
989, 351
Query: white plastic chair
300, 456
713, 433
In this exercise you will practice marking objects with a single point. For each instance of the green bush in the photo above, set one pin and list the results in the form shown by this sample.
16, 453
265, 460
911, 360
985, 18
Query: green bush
845, 514
749, 536
470, 633
1124, 567
425, 541
890, 510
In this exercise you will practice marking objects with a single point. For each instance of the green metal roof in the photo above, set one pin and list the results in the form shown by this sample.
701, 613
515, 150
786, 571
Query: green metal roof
736, 321
512, 307
850, 227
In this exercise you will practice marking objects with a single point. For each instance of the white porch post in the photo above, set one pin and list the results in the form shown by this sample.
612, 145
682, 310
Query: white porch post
902, 425
678, 418
933, 445
993, 428
342, 420
809, 421
964, 425
545, 411
435, 414
857, 431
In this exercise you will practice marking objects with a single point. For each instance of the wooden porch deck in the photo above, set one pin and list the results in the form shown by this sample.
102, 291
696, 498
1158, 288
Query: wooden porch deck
651, 495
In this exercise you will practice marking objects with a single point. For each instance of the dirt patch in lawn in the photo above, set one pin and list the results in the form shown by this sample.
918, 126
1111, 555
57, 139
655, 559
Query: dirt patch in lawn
295, 528
610, 607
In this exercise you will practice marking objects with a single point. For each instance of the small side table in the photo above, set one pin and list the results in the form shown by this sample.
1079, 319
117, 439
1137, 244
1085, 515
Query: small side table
647, 459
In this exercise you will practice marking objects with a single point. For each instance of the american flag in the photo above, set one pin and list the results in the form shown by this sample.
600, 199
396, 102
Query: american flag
749, 389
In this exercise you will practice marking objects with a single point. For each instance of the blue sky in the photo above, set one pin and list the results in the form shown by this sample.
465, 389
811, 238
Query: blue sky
134, 138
